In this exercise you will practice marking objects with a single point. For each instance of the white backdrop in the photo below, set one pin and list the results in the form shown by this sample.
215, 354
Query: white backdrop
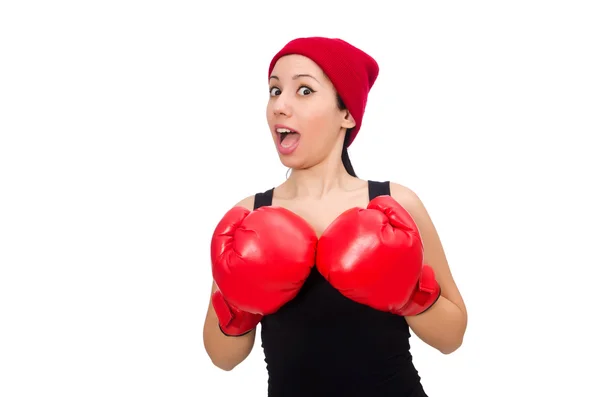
128, 128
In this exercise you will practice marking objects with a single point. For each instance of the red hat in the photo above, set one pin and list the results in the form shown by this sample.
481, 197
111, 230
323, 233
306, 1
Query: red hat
352, 71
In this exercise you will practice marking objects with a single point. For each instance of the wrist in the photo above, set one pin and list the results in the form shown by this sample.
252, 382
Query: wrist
233, 321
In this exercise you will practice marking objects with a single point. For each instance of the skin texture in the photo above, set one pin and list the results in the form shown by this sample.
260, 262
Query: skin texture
319, 189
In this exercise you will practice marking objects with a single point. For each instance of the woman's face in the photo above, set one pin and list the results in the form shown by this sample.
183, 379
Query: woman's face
302, 112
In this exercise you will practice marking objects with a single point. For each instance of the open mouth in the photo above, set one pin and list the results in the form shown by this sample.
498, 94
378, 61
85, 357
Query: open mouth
287, 137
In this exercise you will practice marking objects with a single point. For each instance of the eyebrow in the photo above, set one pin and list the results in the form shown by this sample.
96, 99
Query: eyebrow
296, 76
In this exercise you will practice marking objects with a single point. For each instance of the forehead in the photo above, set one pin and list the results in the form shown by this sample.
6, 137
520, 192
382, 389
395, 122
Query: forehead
290, 65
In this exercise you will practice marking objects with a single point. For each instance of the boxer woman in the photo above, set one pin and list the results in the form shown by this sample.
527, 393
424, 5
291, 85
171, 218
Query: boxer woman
337, 270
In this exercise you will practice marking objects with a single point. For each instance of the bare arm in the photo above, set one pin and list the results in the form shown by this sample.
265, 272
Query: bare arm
443, 325
226, 352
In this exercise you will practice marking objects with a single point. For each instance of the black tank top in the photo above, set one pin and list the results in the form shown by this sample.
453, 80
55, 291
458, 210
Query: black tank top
324, 344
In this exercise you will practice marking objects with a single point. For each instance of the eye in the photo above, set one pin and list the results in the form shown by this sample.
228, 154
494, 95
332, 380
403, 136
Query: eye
274, 91
304, 90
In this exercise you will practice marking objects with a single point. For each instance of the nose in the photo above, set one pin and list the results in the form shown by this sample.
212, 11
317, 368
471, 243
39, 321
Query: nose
281, 106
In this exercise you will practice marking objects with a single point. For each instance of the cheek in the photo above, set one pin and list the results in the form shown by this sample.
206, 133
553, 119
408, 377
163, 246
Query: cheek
272, 119
321, 125
269, 112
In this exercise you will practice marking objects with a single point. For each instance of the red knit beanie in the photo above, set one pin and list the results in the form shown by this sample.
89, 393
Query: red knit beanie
352, 71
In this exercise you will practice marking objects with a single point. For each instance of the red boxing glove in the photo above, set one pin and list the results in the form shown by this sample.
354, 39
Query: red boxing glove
374, 256
425, 294
233, 321
260, 260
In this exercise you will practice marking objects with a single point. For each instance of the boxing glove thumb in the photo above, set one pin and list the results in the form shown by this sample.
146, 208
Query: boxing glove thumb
233, 321
399, 218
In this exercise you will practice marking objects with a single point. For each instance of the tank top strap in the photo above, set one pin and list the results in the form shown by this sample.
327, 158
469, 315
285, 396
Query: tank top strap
263, 199
377, 188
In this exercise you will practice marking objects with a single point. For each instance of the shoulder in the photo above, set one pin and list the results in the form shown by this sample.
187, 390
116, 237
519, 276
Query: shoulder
412, 203
246, 202
249, 202
406, 197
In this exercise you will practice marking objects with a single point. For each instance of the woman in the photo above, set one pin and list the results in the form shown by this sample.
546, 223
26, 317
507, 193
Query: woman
336, 269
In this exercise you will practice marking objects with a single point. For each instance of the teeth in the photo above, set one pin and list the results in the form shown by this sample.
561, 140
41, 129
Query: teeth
283, 130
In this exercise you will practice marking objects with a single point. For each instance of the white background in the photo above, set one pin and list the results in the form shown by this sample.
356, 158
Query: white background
128, 128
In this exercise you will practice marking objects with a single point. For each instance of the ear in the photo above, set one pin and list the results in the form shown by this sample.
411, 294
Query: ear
348, 121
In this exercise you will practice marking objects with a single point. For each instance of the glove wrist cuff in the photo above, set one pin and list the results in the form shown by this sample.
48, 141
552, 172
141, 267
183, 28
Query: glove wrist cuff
426, 293
232, 321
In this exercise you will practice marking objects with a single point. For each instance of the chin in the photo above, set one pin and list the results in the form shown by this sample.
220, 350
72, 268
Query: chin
294, 162
298, 159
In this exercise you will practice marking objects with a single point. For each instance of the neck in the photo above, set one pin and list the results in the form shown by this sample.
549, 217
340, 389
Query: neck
320, 179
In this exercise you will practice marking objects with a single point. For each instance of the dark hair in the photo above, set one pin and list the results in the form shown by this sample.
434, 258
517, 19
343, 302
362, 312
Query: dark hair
345, 156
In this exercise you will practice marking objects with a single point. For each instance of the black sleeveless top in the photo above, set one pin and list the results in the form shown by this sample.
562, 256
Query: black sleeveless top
324, 344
